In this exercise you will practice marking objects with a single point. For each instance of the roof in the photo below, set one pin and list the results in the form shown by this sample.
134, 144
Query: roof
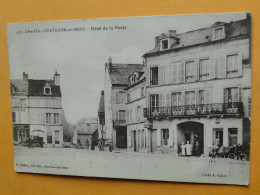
36, 88
141, 79
87, 125
19, 85
236, 29
119, 72
101, 108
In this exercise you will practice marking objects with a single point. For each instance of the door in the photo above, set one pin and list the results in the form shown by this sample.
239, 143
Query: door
135, 141
153, 140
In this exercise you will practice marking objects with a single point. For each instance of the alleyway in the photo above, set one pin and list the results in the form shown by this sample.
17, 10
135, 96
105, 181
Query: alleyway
68, 161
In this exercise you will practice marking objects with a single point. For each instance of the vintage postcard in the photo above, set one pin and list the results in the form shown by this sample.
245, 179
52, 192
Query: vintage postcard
163, 98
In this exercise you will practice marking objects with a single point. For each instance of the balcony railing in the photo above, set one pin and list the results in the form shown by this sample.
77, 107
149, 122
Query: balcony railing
234, 108
119, 123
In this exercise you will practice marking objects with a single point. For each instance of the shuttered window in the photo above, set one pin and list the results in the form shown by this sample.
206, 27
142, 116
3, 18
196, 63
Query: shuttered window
204, 69
232, 65
190, 98
189, 71
154, 76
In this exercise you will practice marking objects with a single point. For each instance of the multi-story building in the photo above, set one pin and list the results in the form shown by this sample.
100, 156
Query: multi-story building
199, 86
86, 131
116, 80
137, 135
37, 109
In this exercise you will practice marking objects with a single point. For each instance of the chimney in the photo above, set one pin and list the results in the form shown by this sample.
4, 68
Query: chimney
25, 77
172, 33
109, 60
56, 78
156, 40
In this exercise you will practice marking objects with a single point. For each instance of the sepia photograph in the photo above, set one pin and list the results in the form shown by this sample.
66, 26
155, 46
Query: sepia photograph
162, 98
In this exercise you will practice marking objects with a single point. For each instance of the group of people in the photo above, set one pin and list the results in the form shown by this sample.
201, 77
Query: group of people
188, 150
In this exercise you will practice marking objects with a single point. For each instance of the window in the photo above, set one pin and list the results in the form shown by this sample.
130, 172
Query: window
14, 117
190, 98
232, 134
48, 118
21, 134
121, 115
49, 137
142, 92
154, 76
201, 97
204, 69
219, 33
120, 97
47, 90
176, 99
231, 95
154, 99
56, 118
165, 137
22, 102
232, 65
165, 44
190, 71
128, 97
57, 136
218, 136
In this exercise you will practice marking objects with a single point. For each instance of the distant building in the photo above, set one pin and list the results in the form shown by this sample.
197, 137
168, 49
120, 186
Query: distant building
37, 109
86, 131
116, 80
199, 87
101, 116
137, 134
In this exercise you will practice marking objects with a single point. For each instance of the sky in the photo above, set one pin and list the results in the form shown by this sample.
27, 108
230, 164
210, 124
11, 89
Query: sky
80, 56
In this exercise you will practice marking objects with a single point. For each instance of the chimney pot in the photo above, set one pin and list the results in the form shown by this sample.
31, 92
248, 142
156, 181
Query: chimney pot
172, 32
25, 77
102, 92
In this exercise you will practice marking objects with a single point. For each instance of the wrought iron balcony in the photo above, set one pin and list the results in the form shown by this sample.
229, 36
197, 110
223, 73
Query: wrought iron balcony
119, 123
224, 109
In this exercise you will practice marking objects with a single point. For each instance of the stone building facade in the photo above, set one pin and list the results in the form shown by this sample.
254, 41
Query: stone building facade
199, 87
137, 135
37, 109
116, 80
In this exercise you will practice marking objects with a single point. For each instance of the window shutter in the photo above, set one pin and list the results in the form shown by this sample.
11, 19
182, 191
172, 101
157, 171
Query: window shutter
197, 96
212, 68
168, 99
222, 70
181, 72
225, 95
147, 76
167, 74
148, 101
240, 94
182, 102
160, 100
161, 75
174, 73
240, 64
117, 115
127, 116
196, 69
206, 96
159, 137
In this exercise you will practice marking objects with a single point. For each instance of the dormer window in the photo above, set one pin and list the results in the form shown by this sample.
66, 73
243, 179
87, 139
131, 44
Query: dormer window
219, 33
47, 89
165, 44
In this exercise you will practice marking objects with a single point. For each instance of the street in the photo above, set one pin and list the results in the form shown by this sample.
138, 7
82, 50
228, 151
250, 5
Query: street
126, 165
